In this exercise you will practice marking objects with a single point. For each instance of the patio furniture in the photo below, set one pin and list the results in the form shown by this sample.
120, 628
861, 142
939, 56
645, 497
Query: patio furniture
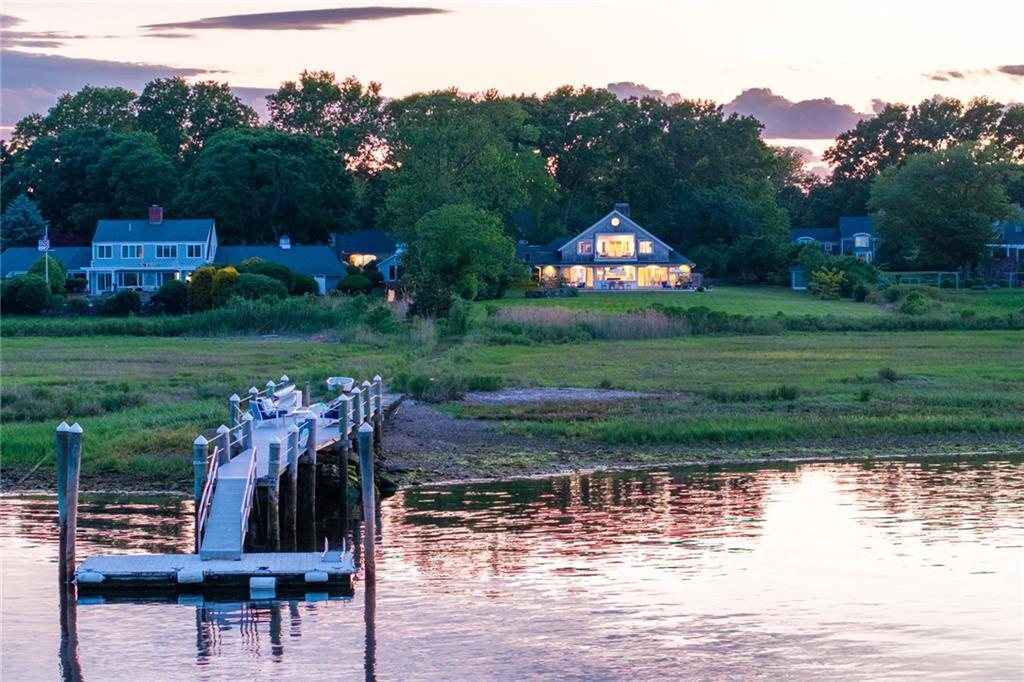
343, 384
264, 411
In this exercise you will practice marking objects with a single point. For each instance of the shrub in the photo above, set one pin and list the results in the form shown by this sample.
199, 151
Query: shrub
76, 285
200, 289
25, 294
57, 273
258, 266
785, 392
915, 304
890, 375
355, 284
172, 297
304, 284
253, 287
827, 282
76, 306
123, 303
456, 323
865, 395
431, 389
861, 291
222, 281
376, 278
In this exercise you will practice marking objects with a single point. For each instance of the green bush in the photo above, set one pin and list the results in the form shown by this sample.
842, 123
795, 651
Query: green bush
172, 297
915, 303
123, 303
200, 289
25, 294
304, 284
376, 278
890, 375
253, 287
76, 285
355, 284
223, 280
456, 323
76, 306
57, 273
258, 266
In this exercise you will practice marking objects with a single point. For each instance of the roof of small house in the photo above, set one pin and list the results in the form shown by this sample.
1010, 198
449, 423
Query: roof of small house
860, 224
141, 230
818, 234
374, 241
305, 260
18, 259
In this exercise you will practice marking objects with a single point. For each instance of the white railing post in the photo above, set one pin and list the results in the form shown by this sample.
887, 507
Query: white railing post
368, 399
369, 499
200, 451
311, 438
247, 425
357, 407
234, 405
223, 445
378, 385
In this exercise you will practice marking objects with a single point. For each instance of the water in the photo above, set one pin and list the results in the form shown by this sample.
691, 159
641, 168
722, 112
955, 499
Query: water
812, 571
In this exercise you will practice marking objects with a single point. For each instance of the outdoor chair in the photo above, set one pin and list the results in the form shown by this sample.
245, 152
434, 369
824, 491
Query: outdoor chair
263, 412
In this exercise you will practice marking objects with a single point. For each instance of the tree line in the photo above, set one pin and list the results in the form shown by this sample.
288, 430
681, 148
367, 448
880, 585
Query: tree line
337, 155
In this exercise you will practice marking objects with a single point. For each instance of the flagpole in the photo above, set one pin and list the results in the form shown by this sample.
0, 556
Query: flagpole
46, 255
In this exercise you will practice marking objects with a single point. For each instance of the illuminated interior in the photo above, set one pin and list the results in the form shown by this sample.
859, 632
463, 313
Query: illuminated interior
616, 246
361, 259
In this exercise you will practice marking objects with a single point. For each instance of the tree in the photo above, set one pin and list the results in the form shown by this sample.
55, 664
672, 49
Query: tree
22, 223
223, 280
108, 108
212, 107
945, 203
57, 274
172, 296
134, 173
200, 289
25, 294
447, 149
457, 250
261, 184
826, 282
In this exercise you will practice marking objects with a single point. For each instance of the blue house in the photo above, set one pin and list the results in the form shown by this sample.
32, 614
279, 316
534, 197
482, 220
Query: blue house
319, 262
855, 236
143, 254
18, 259
1008, 244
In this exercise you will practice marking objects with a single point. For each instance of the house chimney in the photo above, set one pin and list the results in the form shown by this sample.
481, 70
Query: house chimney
156, 214
623, 209
285, 242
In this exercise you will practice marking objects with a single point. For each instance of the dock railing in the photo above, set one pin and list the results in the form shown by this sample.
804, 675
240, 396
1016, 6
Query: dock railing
239, 405
247, 496
206, 500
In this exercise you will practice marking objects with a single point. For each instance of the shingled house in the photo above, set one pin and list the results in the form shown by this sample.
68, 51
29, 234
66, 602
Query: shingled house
615, 253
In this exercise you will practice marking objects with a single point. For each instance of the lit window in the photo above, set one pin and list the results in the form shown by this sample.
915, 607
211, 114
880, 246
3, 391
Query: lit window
616, 246
195, 250
646, 246
131, 250
861, 241
585, 248
361, 259
166, 250
104, 251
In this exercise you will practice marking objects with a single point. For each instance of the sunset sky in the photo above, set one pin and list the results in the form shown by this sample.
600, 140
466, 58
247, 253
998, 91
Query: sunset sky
826, 64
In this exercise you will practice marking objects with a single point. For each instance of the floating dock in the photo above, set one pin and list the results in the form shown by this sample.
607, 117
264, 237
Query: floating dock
261, 471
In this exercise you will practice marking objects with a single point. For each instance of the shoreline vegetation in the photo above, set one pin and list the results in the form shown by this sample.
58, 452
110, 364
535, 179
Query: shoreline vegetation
727, 373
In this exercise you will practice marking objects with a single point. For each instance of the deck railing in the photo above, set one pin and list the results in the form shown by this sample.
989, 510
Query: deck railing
250, 485
206, 501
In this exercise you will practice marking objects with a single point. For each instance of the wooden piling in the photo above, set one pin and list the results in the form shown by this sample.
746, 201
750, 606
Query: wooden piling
307, 489
369, 500
273, 496
247, 426
307, 396
69, 457
234, 409
200, 451
289, 496
223, 445
357, 409
378, 415
367, 401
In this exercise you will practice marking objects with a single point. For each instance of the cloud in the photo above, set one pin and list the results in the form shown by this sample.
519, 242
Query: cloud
299, 20
809, 119
33, 82
627, 89
169, 34
32, 39
1011, 70
1015, 70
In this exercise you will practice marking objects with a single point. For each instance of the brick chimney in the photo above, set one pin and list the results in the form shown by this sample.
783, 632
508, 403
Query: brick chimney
156, 214
623, 209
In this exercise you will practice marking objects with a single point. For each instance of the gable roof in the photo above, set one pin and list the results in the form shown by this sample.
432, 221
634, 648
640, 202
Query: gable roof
141, 230
626, 225
860, 224
820, 234
365, 241
305, 260
18, 259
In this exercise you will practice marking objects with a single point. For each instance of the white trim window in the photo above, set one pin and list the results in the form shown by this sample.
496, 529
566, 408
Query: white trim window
584, 247
131, 251
104, 251
861, 241
166, 250
646, 247
104, 281
194, 250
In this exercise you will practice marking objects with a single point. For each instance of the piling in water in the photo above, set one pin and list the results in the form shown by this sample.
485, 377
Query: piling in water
369, 499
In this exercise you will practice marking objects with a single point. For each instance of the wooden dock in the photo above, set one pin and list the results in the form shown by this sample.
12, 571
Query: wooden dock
249, 474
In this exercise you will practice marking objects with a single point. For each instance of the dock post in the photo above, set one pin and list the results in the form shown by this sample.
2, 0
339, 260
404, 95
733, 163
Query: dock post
369, 499
307, 497
307, 396
69, 457
62, 493
289, 498
271, 388
234, 409
200, 451
247, 431
367, 400
223, 445
357, 408
285, 380
253, 395
273, 496
345, 427
378, 415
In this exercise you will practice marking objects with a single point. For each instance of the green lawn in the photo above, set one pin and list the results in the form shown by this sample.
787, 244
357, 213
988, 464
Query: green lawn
729, 299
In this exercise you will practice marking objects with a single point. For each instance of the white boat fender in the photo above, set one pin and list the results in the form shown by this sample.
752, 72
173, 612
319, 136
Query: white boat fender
193, 577
316, 576
261, 583
90, 577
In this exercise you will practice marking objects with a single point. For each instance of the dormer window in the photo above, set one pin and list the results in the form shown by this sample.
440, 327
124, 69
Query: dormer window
861, 241
585, 248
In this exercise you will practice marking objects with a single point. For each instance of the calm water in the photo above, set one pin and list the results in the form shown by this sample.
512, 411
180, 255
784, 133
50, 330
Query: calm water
814, 571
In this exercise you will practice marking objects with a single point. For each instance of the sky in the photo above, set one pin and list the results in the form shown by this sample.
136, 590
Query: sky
808, 70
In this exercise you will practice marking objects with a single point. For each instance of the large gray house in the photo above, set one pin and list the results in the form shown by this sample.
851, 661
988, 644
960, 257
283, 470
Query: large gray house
615, 253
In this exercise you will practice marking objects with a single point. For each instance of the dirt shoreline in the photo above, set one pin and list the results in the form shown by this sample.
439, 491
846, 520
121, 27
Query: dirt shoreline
423, 445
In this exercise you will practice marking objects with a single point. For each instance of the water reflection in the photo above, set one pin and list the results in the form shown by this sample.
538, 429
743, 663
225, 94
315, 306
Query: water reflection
824, 571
